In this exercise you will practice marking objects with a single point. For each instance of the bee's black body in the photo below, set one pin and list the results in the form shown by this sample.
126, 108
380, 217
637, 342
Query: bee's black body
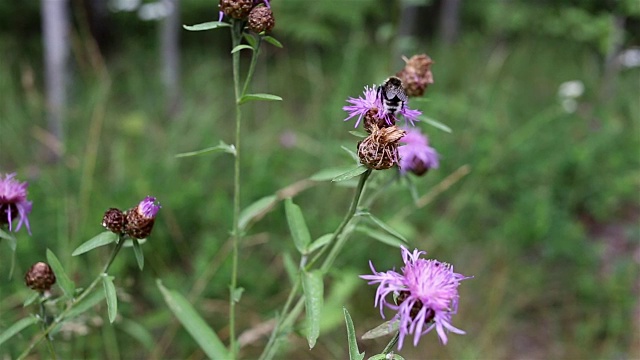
392, 95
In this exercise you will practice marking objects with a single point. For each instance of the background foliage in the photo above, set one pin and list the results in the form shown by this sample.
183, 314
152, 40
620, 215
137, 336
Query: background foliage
546, 220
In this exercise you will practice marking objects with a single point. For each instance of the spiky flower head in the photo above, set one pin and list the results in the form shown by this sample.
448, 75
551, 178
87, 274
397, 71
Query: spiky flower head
237, 9
114, 220
416, 75
427, 295
369, 106
40, 277
261, 19
140, 219
379, 150
13, 203
416, 156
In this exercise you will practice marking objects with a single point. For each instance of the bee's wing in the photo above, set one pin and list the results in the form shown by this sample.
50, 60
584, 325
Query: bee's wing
398, 92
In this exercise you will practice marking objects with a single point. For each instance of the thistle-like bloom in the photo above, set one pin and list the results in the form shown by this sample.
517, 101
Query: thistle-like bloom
371, 101
13, 202
417, 156
427, 295
139, 220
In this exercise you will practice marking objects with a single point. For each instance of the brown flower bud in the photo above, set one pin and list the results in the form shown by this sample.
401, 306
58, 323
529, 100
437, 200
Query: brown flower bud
237, 9
40, 277
416, 75
379, 150
141, 218
261, 19
114, 220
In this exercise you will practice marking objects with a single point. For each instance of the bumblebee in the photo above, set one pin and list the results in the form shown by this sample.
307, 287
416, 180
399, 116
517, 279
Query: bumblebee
392, 95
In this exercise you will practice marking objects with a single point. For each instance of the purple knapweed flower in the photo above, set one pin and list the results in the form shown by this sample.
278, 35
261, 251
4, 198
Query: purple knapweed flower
139, 220
416, 156
220, 15
371, 101
148, 207
427, 295
13, 202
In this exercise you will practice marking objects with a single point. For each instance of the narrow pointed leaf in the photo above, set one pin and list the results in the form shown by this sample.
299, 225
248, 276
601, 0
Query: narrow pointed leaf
206, 26
385, 329
358, 134
102, 239
11, 240
383, 237
320, 242
386, 227
111, 296
258, 97
436, 124
222, 147
313, 300
351, 153
17, 327
330, 174
62, 278
240, 47
86, 304
297, 226
255, 209
137, 250
138, 332
194, 324
271, 40
250, 38
360, 169
354, 352
33, 297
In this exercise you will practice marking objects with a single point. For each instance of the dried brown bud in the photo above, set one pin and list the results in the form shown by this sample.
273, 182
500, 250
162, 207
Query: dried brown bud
379, 150
40, 277
416, 75
261, 19
372, 122
237, 9
114, 220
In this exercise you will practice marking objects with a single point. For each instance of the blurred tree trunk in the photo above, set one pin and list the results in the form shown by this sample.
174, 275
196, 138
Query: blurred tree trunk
449, 21
55, 28
169, 39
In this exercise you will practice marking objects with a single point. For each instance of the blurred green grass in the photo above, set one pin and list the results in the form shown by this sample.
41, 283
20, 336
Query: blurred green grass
532, 221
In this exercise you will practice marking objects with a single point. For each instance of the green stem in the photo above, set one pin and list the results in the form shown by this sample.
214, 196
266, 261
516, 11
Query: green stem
252, 66
287, 318
43, 316
236, 38
78, 300
391, 343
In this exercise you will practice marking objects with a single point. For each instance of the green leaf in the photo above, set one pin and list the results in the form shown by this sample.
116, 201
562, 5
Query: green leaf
383, 237
11, 240
330, 174
222, 147
256, 209
102, 239
297, 226
360, 169
129, 243
31, 299
271, 40
17, 327
354, 352
250, 39
112, 298
206, 26
385, 329
86, 304
236, 294
240, 47
194, 324
313, 299
61, 276
258, 97
351, 153
290, 267
320, 242
137, 250
138, 332
385, 227
436, 124
358, 134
